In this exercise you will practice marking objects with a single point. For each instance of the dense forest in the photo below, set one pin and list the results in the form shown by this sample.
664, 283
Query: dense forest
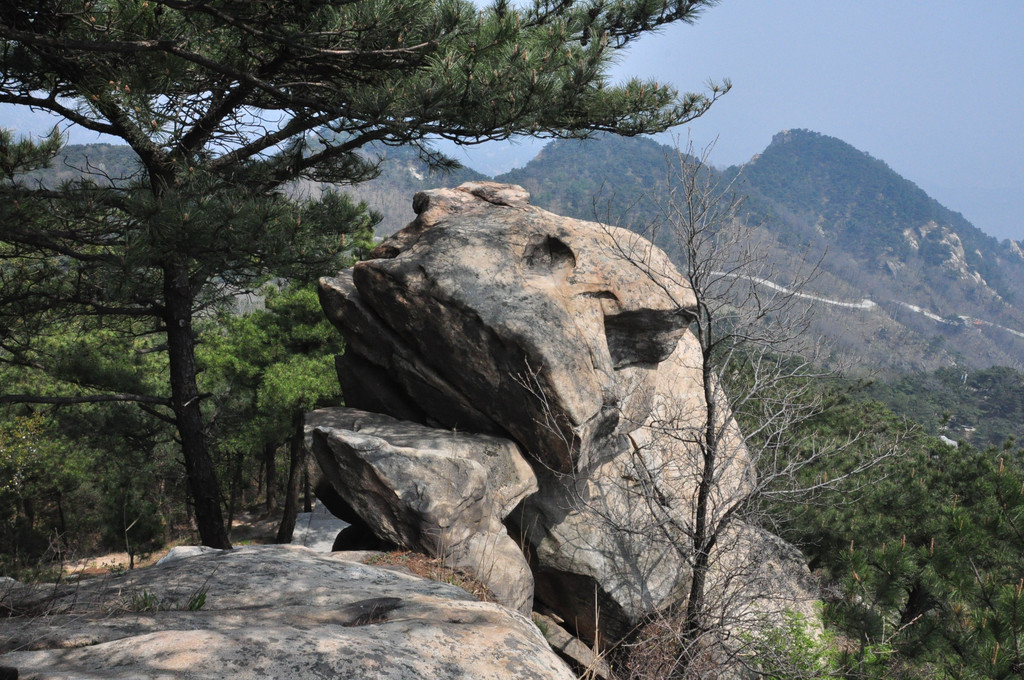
88, 478
921, 561
984, 408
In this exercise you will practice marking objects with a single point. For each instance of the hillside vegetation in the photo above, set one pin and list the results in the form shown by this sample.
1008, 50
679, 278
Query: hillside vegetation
100, 163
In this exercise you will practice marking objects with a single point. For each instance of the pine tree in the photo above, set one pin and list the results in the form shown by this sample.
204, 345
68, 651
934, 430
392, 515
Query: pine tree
227, 103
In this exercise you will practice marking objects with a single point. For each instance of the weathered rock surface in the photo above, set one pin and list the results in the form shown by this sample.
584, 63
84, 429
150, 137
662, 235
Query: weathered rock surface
273, 612
489, 315
441, 492
613, 540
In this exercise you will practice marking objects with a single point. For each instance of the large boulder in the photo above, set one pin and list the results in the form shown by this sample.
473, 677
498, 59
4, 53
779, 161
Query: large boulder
570, 338
490, 315
441, 492
269, 612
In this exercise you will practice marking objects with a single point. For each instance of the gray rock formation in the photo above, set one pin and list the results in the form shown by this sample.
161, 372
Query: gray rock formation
570, 338
270, 612
317, 530
489, 315
444, 493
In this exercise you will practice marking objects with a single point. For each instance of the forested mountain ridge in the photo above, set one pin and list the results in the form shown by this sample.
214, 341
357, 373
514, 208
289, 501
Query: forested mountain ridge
857, 204
604, 178
942, 292
101, 163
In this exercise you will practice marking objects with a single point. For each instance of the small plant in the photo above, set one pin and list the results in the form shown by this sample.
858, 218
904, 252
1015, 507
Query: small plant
793, 649
196, 600
542, 625
146, 601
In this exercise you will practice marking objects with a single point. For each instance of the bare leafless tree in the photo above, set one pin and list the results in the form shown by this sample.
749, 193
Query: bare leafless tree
708, 474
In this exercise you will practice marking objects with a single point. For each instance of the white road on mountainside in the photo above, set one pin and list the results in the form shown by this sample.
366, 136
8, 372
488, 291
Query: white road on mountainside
867, 304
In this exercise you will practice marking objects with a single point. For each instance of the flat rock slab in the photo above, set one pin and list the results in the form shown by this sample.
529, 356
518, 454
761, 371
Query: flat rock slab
510, 477
269, 612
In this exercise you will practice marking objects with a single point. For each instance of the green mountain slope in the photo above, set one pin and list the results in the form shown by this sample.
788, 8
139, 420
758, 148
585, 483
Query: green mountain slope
865, 209
102, 163
604, 177
946, 294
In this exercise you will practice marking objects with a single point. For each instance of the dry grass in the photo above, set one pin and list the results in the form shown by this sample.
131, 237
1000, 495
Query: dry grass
433, 568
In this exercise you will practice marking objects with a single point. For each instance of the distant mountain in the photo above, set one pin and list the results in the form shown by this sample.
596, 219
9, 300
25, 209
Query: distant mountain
102, 163
889, 240
858, 205
943, 292
402, 174
608, 177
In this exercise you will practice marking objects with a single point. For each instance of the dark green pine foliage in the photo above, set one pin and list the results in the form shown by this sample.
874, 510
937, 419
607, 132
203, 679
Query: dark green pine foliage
266, 369
92, 265
977, 568
926, 553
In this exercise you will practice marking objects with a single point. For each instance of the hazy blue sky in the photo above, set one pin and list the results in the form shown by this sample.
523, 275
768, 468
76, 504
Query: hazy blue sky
935, 88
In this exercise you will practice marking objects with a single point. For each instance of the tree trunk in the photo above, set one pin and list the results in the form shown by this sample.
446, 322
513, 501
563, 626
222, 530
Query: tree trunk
62, 521
694, 622
307, 496
29, 508
703, 533
181, 342
270, 463
236, 490
295, 465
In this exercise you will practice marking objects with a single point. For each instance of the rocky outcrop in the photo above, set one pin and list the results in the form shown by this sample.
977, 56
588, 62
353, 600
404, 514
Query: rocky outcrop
489, 315
439, 492
268, 612
568, 338
1017, 249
